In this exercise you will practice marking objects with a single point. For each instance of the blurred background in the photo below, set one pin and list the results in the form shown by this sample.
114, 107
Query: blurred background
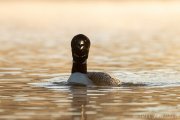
136, 40
134, 34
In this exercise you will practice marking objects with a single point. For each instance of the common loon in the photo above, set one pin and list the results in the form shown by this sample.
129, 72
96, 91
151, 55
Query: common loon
80, 46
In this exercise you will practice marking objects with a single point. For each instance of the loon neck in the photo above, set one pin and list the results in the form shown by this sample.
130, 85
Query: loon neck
79, 67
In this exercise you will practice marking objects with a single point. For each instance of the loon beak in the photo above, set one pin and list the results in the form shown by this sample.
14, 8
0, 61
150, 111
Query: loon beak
81, 45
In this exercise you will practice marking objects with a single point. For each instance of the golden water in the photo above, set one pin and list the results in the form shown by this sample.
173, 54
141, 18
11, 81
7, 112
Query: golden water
138, 42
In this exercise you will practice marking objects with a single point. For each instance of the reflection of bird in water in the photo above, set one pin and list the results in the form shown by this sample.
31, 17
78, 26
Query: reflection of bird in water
80, 98
80, 45
83, 116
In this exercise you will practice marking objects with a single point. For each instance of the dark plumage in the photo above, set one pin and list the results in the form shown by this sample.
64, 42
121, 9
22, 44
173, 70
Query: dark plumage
103, 79
80, 46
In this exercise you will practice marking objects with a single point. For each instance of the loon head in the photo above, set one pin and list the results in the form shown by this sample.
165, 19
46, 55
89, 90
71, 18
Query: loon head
80, 45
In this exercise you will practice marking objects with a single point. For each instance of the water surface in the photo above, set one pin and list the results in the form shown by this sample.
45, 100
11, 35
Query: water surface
137, 42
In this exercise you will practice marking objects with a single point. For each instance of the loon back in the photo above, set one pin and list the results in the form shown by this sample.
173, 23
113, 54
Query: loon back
103, 79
